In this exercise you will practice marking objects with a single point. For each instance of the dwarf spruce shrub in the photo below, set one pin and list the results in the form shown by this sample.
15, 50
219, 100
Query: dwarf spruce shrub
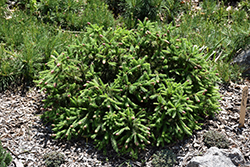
128, 88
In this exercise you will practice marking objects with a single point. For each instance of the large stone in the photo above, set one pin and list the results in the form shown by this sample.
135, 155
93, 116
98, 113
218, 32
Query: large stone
243, 59
236, 156
216, 157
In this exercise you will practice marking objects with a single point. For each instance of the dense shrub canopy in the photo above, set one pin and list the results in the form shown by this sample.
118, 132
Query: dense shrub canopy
129, 88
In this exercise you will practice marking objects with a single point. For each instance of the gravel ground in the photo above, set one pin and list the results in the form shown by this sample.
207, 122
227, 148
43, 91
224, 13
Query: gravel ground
28, 139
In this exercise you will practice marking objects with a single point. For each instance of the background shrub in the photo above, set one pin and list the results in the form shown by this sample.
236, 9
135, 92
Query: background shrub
140, 9
116, 6
218, 29
70, 14
25, 46
128, 88
129, 11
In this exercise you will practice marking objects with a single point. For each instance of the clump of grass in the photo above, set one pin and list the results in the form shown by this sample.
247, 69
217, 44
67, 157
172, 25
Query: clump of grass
25, 46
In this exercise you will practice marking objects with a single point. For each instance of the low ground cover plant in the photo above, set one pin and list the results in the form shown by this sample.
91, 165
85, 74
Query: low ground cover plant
54, 159
166, 158
215, 139
128, 88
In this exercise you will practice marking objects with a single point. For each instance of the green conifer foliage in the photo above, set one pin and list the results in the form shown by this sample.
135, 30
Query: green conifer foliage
69, 14
128, 88
5, 158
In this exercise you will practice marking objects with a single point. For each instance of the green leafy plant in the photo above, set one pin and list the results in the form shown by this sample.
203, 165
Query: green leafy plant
5, 158
166, 158
71, 15
140, 9
8, 68
244, 5
217, 139
25, 45
173, 9
54, 159
229, 72
198, 25
116, 6
2, 8
129, 11
128, 88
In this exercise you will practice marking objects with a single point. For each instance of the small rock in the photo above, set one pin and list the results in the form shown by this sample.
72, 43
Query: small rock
228, 128
233, 117
224, 112
236, 156
179, 158
18, 163
224, 117
196, 145
241, 137
243, 59
222, 127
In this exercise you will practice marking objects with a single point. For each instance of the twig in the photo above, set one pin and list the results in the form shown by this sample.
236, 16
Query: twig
10, 151
73, 32
218, 57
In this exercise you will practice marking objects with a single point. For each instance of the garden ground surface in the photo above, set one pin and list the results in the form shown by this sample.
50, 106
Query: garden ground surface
28, 139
